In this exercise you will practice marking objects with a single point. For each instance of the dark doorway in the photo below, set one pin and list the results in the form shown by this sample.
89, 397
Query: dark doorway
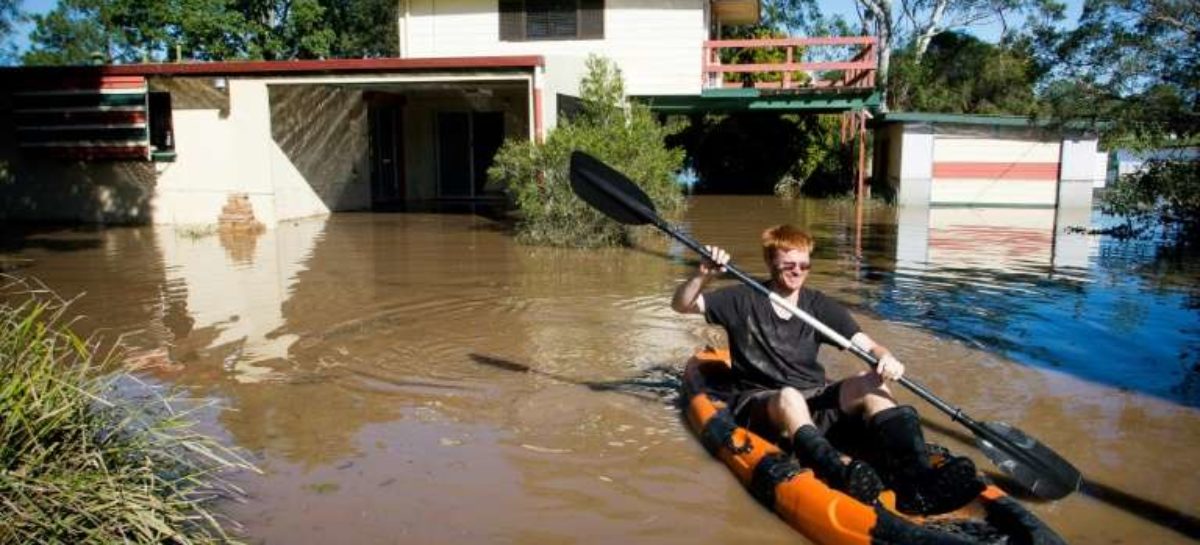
454, 154
467, 143
387, 155
489, 135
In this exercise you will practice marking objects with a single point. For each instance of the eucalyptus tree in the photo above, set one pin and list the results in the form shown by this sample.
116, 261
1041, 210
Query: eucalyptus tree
1133, 67
915, 23
1135, 64
960, 73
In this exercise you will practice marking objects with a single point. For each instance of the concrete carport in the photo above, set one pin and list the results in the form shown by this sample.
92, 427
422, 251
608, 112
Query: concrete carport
276, 140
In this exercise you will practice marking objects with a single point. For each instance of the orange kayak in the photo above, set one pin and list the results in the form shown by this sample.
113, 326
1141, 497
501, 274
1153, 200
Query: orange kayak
830, 517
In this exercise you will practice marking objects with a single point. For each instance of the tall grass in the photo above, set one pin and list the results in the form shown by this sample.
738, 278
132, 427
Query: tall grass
81, 462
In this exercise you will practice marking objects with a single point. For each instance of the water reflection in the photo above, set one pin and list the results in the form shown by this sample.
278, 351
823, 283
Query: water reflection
1031, 284
225, 297
369, 362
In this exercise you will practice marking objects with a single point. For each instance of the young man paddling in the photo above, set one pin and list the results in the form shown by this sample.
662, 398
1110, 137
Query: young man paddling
781, 389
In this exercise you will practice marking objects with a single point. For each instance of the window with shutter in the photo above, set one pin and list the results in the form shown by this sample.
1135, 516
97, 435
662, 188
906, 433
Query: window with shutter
512, 20
591, 19
522, 20
551, 19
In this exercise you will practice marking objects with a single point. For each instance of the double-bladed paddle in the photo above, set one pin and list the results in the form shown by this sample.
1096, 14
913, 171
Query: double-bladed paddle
1032, 464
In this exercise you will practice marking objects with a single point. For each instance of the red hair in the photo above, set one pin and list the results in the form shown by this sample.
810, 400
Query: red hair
785, 238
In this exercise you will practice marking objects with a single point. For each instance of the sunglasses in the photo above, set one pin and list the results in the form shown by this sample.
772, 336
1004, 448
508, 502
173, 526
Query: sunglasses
791, 266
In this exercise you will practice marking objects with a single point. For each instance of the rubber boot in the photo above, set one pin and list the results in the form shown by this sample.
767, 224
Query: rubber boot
920, 488
855, 478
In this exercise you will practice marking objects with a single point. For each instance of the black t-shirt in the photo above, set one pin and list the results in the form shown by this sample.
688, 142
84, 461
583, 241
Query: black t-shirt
771, 352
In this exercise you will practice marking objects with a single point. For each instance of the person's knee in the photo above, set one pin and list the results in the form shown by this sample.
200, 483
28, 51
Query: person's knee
791, 401
791, 409
865, 391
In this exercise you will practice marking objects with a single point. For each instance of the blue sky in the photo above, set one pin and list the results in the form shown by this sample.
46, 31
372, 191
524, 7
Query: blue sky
845, 8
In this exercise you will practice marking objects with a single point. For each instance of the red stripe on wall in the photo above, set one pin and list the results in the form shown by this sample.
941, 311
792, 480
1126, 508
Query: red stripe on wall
90, 153
55, 119
997, 171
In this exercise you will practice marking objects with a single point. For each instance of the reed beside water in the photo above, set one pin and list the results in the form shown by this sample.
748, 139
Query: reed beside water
80, 461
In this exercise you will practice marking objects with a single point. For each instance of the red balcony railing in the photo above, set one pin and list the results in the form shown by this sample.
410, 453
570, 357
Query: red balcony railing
857, 72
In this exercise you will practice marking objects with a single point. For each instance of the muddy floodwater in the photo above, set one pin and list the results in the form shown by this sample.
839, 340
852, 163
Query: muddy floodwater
420, 378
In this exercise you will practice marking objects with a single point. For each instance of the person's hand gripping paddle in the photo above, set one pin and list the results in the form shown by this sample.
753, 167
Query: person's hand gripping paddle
1030, 463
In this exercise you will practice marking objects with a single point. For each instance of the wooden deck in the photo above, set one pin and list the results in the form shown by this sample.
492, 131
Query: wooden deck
793, 70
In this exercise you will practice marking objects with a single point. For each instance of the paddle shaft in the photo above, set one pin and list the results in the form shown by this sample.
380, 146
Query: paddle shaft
651, 216
1035, 466
917, 388
956, 414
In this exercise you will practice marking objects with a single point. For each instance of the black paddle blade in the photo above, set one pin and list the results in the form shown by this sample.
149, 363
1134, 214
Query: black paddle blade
609, 191
1032, 464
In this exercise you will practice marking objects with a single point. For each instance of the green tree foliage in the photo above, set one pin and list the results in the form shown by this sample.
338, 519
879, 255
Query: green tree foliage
286, 30
759, 55
913, 24
962, 74
365, 28
625, 135
82, 31
1134, 64
1134, 68
71, 33
765, 152
1166, 191
10, 15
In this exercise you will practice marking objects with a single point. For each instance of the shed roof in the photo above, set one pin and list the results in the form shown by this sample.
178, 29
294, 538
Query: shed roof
270, 68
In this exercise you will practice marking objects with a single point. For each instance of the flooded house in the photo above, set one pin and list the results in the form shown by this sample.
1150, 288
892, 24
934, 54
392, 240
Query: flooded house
200, 143
259, 142
195, 142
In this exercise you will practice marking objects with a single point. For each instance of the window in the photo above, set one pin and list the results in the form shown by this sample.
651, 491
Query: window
162, 134
525, 20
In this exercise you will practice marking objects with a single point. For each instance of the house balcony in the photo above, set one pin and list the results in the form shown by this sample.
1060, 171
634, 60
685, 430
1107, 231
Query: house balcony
791, 65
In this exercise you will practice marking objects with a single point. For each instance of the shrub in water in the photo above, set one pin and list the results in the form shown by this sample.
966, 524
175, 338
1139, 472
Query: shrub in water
625, 135
81, 465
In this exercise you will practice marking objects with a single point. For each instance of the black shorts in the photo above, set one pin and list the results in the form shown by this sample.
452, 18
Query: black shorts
749, 408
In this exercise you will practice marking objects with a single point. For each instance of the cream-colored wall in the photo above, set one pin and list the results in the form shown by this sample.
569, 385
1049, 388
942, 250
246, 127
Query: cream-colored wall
656, 43
320, 160
218, 156
296, 147
970, 148
993, 192
958, 144
193, 189
561, 75
1100, 169
250, 116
